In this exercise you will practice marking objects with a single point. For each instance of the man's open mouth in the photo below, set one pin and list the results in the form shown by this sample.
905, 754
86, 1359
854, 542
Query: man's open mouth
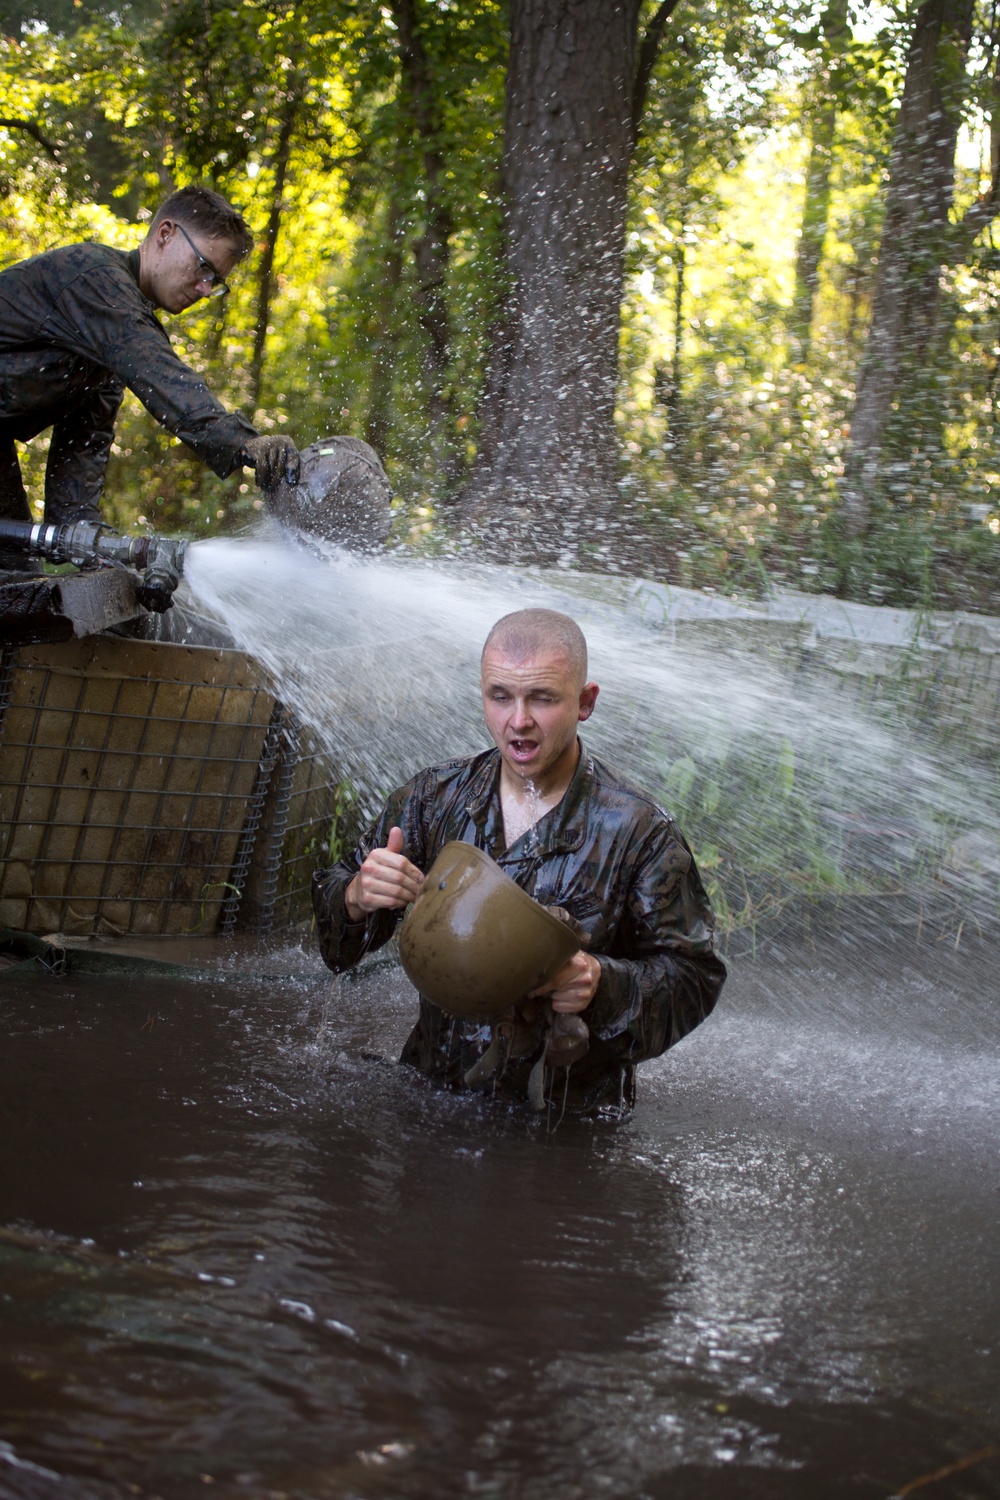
523, 748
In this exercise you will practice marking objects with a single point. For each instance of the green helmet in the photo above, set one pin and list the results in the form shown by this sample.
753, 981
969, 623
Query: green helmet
474, 942
343, 495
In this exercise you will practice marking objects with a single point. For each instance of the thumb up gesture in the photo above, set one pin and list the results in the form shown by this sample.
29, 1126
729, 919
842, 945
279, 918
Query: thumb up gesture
386, 879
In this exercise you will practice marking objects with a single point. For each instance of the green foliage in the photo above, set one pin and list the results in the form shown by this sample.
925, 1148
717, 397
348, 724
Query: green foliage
762, 844
346, 822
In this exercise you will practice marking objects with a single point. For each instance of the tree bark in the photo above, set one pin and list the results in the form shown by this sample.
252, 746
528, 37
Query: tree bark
816, 208
546, 475
265, 272
432, 249
386, 340
915, 241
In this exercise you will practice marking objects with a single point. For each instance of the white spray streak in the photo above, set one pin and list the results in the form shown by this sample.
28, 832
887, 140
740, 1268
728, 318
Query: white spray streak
381, 656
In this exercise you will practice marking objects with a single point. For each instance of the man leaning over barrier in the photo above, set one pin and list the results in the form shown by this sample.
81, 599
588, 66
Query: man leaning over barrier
78, 324
573, 834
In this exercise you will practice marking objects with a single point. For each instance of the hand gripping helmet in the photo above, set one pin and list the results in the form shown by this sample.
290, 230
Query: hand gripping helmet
342, 496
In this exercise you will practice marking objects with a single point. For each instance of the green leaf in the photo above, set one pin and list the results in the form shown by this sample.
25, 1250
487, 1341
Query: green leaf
710, 798
679, 780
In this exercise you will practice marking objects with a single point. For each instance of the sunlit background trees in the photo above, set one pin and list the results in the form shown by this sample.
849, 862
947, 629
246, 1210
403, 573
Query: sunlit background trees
801, 263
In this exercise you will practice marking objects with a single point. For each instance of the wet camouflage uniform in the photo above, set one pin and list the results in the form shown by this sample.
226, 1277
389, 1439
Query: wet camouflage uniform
74, 331
606, 854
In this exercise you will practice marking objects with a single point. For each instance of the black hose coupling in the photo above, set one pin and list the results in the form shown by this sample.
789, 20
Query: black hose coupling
163, 565
89, 544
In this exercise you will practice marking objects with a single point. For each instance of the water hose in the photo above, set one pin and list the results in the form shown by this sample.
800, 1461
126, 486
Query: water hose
91, 544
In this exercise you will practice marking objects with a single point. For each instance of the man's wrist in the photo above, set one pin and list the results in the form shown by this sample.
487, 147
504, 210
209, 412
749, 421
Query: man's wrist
355, 913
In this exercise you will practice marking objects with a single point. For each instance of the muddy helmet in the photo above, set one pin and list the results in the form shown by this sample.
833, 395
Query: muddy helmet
342, 496
473, 942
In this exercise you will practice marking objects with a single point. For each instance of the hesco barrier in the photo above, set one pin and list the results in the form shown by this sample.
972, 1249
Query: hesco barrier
148, 788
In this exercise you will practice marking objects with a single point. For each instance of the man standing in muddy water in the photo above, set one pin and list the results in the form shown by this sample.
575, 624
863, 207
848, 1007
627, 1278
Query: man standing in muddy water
78, 324
573, 834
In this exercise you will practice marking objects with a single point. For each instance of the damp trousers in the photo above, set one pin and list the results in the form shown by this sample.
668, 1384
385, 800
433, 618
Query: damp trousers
82, 424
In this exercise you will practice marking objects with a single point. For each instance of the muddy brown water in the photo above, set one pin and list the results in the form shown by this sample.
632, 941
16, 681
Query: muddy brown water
242, 1256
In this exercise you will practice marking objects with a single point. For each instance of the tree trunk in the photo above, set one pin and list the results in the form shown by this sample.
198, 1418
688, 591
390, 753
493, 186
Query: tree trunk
546, 476
265, 271
675, 395
432, 249
914, 240
667, 388
816, 208
815, 213
386, 340
650, 46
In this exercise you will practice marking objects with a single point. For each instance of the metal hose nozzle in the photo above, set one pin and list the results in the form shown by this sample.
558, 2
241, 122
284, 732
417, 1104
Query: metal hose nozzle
88, 544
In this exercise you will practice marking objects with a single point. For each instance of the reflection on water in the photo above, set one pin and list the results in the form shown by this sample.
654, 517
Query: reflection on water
238, 1249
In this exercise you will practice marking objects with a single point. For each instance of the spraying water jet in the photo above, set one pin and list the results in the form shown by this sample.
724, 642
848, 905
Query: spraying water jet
819, 753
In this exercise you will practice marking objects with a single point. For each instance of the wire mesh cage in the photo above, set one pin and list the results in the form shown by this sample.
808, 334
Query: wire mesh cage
138, 791
272, 888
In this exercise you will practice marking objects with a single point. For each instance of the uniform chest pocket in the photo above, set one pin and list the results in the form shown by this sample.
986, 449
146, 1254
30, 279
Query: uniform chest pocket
588, 912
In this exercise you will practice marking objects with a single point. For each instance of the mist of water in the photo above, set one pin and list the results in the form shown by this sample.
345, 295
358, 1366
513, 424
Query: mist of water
766, 767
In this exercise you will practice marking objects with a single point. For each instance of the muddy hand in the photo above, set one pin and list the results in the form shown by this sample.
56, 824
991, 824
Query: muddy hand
272, 459
387, 879
574, 986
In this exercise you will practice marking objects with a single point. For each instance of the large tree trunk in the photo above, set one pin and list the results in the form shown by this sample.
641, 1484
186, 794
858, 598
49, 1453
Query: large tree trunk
385, 340
432, 249
914, 240
822, 104
265, 272
546, 477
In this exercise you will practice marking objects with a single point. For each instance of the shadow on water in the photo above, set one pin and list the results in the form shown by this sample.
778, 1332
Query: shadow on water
240, 1249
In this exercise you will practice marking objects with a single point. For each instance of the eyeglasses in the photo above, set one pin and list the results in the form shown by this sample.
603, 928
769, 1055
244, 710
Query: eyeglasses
208, 272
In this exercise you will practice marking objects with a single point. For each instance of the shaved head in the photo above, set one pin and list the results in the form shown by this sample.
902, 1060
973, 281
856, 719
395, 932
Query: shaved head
529, 633
535, 694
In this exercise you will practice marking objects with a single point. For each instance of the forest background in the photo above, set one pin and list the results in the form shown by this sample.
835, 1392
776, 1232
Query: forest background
797, 268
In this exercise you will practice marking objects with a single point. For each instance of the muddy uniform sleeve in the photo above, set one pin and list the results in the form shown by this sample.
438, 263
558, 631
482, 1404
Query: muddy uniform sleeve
105, 317
344, 943
661, 978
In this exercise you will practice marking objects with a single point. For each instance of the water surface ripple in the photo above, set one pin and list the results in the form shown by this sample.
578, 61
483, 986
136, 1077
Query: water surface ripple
240, 1254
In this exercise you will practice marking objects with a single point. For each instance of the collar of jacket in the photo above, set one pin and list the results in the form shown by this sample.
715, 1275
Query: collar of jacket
559, 831
133, 265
